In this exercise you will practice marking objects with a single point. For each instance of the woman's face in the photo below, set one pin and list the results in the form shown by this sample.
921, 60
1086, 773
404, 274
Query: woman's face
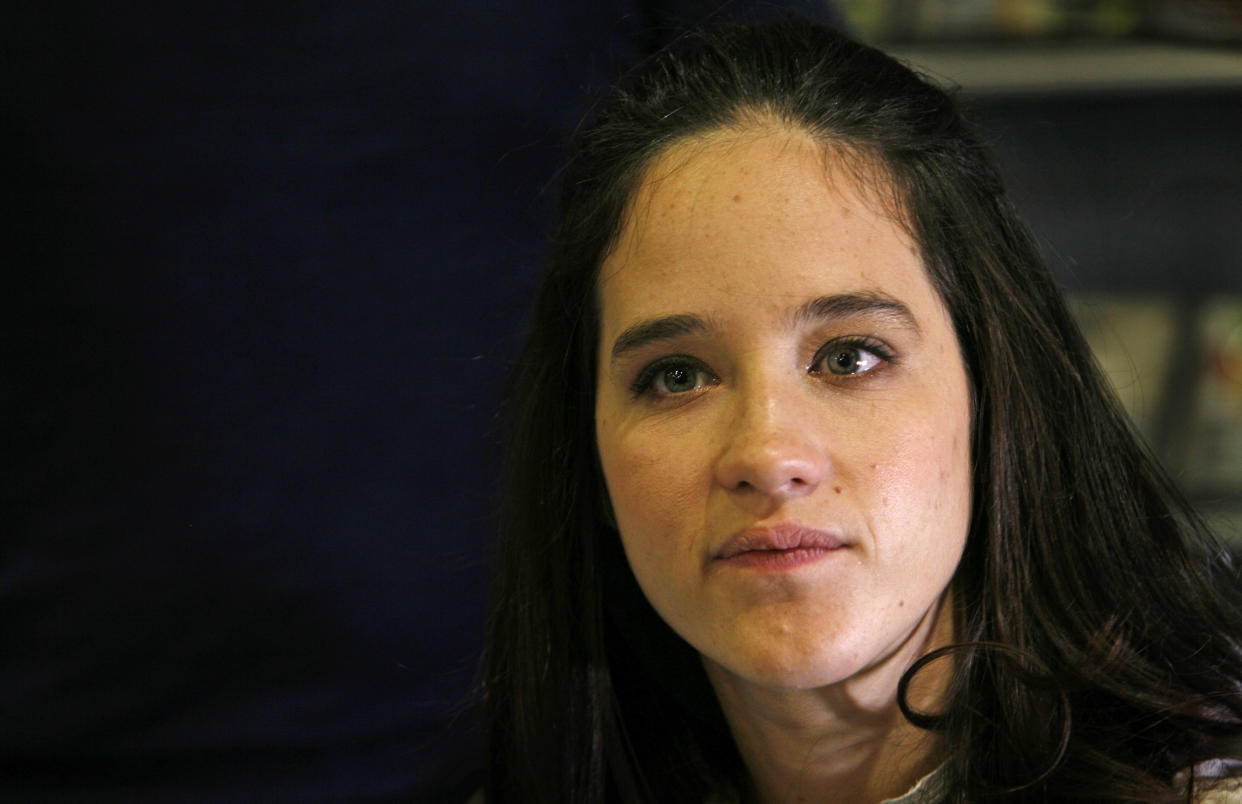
783, 416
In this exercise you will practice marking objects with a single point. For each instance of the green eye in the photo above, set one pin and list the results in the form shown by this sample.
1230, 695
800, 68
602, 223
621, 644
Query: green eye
673, 375
676, 380
844, 358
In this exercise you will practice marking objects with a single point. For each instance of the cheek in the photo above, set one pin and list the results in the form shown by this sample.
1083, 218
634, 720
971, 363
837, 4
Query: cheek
924, 485
651, 485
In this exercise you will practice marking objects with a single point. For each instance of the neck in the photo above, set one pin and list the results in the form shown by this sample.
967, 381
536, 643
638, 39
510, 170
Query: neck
844, 742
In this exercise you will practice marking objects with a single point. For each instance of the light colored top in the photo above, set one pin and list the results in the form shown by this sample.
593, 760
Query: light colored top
1220, 779
929, 788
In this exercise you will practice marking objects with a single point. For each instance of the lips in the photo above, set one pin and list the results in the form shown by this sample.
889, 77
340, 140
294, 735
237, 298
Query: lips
778, 539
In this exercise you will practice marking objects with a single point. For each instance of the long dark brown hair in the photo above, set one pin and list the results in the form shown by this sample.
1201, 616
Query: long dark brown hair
1100, 653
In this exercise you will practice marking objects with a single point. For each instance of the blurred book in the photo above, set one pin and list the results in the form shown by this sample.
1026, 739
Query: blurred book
1178, 372
1214, 434
1133, 342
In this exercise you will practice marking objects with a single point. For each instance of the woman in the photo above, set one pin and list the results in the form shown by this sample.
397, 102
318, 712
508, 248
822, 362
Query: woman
814, 492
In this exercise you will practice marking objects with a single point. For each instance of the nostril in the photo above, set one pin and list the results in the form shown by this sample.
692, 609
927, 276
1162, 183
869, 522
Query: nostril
771, 462
771, 480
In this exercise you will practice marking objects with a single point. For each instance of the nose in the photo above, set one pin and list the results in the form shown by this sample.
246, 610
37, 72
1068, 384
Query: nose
772, 448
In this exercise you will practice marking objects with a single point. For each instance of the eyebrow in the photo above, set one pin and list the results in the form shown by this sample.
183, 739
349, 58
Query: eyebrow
656, 329
843, 305
823, 308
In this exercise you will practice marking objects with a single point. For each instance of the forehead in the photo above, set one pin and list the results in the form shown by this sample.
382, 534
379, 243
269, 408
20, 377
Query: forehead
763, 217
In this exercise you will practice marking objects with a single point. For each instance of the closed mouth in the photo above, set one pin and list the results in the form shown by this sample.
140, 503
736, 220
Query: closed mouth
781, 538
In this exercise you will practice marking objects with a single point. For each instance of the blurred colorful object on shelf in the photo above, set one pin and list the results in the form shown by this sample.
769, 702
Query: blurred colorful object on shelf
930, 20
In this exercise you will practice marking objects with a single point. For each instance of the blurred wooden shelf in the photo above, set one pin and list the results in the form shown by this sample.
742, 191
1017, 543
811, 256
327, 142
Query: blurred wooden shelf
1075, 67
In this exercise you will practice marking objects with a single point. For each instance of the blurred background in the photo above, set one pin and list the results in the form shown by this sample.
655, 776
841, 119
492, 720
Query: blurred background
1118, 125
266, 266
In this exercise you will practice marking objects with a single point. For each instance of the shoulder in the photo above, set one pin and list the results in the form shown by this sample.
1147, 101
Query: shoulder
1219, 781
1229, 792
930, 788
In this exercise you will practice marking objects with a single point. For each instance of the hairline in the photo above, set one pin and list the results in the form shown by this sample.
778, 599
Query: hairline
863, 162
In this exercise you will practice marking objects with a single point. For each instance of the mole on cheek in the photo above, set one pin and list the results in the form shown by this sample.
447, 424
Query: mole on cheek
737, 198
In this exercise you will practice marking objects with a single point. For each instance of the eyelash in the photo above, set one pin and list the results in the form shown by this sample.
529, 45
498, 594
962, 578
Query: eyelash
647, 378
860, 344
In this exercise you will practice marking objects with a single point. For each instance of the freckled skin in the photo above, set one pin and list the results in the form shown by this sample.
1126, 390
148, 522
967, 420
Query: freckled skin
746, 228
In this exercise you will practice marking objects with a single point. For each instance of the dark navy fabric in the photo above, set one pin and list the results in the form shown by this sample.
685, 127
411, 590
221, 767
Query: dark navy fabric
264, 270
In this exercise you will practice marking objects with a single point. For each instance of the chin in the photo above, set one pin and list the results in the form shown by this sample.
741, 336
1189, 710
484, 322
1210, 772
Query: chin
805, 669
